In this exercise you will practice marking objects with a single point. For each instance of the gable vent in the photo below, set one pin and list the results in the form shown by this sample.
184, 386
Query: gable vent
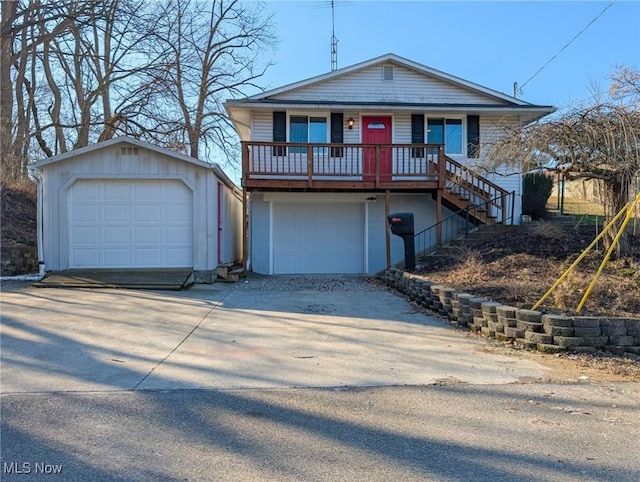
387, 72
129, 151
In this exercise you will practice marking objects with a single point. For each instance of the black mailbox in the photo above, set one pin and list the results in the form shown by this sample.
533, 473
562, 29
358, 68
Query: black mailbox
401, 224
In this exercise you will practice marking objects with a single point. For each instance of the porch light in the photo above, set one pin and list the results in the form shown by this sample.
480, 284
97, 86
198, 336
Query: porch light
350, 123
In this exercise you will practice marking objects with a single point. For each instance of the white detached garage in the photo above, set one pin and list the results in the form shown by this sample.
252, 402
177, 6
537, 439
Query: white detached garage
125, 203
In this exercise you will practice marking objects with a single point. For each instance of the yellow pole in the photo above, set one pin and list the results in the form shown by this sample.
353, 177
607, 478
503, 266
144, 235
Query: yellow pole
627, 218
580, 258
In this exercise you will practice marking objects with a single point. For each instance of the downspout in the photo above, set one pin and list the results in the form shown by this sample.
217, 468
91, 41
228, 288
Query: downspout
39, 223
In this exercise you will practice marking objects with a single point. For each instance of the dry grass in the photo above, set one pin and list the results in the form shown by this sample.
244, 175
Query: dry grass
578, 206
549, 231
471, 267
518, 267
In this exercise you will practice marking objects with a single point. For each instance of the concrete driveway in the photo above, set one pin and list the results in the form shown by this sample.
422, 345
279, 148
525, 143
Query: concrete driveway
234, 336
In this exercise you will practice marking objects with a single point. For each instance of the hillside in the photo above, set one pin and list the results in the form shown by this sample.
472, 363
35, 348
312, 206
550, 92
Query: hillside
18, 214
519, 266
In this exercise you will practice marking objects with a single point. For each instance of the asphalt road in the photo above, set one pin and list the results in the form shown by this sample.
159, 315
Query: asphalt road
221, 383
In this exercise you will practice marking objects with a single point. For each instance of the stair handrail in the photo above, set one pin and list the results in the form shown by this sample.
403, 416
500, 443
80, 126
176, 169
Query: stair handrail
475, 184
462, 214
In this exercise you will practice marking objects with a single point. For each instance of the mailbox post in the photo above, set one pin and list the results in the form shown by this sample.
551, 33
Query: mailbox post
401, 224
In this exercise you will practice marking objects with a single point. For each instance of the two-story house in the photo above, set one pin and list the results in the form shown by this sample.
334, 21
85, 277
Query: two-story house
326, 160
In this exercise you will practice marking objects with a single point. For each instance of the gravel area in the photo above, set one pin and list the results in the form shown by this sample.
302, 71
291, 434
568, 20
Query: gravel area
308, 283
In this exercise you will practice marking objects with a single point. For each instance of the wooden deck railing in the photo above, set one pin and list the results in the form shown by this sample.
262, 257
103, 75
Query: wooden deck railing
367, 166
376, 164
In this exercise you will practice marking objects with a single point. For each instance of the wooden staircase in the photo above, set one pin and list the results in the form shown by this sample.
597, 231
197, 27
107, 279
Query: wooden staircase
474, 200
486, 202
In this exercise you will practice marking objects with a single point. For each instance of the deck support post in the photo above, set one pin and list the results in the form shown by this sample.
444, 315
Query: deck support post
387, 203
439, 218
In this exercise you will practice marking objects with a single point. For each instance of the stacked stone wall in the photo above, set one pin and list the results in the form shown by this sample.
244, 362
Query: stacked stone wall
549, 333
18, 260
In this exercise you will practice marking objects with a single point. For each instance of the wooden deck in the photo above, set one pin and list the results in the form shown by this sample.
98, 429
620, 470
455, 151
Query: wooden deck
273, 165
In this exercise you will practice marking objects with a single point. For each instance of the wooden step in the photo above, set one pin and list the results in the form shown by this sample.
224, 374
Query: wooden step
230, 272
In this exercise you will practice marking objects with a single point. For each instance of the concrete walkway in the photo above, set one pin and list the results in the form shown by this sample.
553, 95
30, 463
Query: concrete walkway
231, 336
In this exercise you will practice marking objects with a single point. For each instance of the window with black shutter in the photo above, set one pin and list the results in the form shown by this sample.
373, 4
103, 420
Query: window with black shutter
279, 132
473, 136
337, 133
417, 134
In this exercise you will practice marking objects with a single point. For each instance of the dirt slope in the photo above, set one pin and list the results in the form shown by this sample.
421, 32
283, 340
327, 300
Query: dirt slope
18, 214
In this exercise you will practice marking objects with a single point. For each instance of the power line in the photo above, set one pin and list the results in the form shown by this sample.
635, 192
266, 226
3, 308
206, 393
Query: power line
569, 43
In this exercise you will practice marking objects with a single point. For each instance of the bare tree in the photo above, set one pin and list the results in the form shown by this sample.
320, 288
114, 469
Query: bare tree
601, 141
625, 82
210, 50
75, 72
21, 36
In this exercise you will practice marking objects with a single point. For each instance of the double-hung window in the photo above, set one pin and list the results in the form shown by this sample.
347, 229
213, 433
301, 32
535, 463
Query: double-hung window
307, 129
448, 132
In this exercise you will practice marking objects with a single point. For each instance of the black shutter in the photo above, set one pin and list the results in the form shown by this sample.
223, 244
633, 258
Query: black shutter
337, 133
279, 132
473, 136
417, 134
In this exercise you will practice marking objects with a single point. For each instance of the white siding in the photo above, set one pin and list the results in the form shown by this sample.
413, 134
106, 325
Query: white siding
407, 86
109, 163
422, 206
509, 178
231, 249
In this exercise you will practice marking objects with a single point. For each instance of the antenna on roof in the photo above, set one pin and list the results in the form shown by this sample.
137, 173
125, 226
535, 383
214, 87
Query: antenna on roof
334, 40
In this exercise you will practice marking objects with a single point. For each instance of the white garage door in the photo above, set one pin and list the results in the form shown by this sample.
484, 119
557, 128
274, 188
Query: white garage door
318, 238
130, 224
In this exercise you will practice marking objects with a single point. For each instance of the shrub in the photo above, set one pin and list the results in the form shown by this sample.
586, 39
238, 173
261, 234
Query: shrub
536, 192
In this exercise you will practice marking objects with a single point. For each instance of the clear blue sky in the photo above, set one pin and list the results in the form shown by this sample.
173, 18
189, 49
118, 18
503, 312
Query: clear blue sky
491, 43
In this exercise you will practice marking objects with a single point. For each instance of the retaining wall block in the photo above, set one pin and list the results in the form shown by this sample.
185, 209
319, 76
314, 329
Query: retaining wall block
622, 340
557, 320
476, 303
558, 331
467, 319
530, 316
495, 326
462, 298
530, 345
506, 311
587, 332
534, 337
568, 341
614, 330
512, 322
445, 293
513, 332
529, 326
551, 348
597, 341
490, 307
633, 327
586, 322
490, 316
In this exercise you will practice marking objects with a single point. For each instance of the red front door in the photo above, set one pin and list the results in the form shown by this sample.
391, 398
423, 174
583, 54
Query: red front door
376, 130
